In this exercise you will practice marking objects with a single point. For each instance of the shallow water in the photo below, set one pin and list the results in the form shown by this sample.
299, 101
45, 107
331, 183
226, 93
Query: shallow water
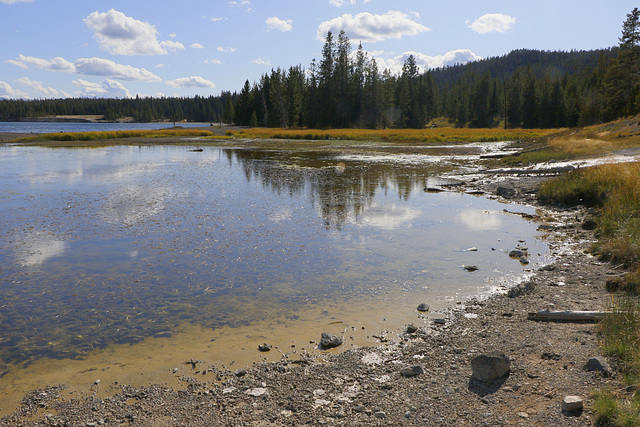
225, 249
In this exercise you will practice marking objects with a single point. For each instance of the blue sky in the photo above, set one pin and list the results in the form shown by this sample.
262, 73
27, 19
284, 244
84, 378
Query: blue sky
73, 48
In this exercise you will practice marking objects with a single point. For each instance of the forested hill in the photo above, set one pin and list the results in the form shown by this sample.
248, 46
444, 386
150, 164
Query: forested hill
543, 64
346, 89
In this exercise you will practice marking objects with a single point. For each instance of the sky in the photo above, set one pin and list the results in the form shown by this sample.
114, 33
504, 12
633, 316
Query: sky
118, 48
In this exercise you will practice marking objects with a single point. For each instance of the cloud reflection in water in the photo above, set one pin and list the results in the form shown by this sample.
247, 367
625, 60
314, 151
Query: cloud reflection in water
480, 220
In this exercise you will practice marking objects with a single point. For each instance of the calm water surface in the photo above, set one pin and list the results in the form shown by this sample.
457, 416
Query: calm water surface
50, 127
114, 245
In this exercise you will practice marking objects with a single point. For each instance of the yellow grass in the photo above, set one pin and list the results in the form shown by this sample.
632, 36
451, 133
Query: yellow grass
96, 136
437, 135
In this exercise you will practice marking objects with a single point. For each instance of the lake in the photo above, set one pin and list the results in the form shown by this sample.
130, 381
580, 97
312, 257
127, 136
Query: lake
154, 255
56, 127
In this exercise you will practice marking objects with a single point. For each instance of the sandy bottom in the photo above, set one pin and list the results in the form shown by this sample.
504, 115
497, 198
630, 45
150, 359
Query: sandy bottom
164, 361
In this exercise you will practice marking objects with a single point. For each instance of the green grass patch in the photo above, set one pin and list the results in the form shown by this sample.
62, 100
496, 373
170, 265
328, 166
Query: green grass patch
620, 339
615, 190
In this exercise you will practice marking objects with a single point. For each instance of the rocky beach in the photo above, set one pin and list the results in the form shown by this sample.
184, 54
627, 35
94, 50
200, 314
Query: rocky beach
425, 375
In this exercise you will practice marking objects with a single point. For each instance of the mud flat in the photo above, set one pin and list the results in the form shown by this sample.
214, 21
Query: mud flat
423, 377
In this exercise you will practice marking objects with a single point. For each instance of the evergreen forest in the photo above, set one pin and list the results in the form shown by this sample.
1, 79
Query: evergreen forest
346, 89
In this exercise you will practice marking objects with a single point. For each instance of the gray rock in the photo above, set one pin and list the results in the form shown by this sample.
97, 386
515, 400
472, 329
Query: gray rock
240, 372
423, 307
328, 341
521, 289
516, 253
490, 367
412, 371
572, 404
411, 329
598, 364
505, 192
264, 347
256, 392
380, 414
470, 267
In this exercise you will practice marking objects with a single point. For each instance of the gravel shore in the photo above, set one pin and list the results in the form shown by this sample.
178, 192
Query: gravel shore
367, 386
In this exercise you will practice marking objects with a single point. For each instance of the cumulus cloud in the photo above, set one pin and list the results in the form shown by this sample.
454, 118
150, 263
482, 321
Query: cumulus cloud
262, 61
122, 35
425, 62
243, 4
275, 23
55, 64
88, 67
212, 61
492, 22
7, 92
193, 81
225, 49
340, 3
196, 46
38, 87
367, 27
107, 88
106, 67
13, 2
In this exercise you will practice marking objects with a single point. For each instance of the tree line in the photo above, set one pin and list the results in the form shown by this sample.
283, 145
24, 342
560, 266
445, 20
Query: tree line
523, 89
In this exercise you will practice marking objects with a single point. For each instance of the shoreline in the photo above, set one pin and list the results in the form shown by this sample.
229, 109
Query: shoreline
364, 386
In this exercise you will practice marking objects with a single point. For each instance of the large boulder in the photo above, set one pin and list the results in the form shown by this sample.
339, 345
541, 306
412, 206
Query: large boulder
598, 364
490, 367
328, 341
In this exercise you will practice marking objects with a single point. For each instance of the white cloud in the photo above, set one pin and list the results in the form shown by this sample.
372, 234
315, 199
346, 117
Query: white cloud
55, 64
275, 23
14, 1
243, 4
212, 61
492, 22
217, 19
87, 67
193, 81
38, 87
196, 46
225, 49
7, 92
262, 61
425, 62
340, 3
106, 67
107, 88
122, 35
370, 28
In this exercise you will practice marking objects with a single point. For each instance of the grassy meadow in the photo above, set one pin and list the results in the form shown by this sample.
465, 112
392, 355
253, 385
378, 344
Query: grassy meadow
115, 135
431, 136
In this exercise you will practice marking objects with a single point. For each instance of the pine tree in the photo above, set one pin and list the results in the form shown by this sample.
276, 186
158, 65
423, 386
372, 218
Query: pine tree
622, 81
326, 87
